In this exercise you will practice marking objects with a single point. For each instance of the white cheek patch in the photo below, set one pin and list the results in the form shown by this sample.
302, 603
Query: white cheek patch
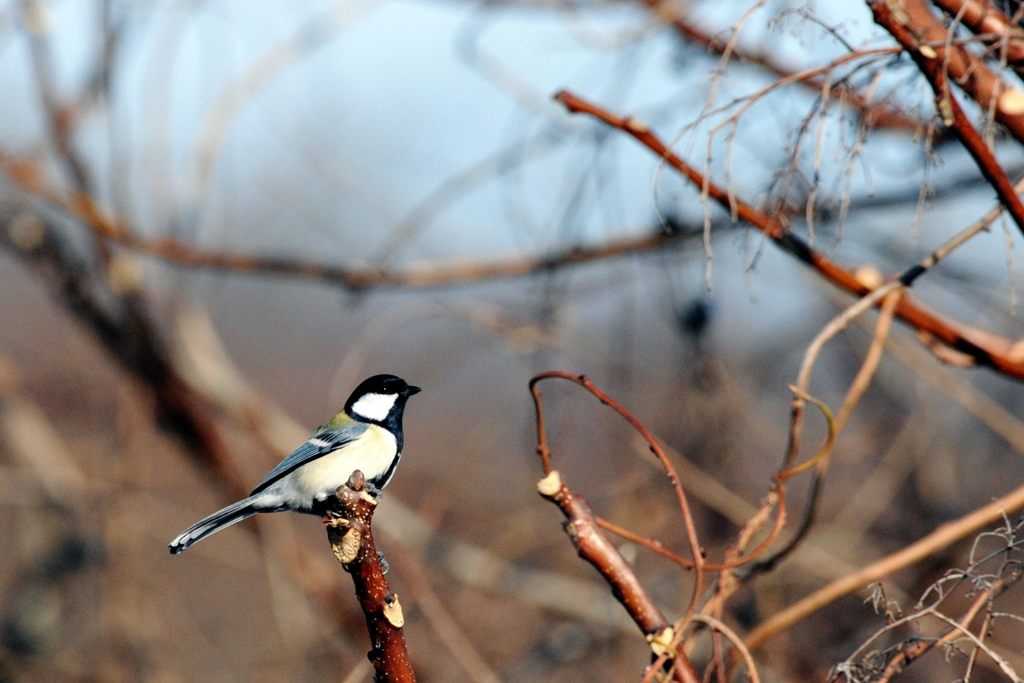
375, 406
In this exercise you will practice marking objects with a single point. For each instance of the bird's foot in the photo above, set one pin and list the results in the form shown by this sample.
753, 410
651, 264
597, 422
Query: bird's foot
385, 566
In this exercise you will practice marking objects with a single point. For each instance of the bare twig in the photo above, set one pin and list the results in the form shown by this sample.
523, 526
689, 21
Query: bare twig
921, 646
916, 25
944, 536
31, 177
985, 20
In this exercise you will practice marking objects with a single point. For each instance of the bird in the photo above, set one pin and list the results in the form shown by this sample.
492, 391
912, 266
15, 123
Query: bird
366, 435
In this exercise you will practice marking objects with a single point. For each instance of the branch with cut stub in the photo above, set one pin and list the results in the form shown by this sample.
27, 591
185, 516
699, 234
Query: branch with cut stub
587, 533
348, 520
593, 546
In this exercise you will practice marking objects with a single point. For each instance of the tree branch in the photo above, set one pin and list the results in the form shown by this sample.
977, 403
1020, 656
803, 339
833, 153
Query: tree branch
915, 25
874, 114
30, 176
982, 348
934, 63
348, 521
987, 22
594, 547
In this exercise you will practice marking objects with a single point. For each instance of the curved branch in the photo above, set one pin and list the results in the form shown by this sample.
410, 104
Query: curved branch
593, 546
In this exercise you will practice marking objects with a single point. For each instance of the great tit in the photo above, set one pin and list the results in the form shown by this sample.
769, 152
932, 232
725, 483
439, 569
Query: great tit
366, 435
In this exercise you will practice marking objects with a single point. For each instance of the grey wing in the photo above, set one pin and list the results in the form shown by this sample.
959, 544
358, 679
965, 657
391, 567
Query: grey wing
319, 445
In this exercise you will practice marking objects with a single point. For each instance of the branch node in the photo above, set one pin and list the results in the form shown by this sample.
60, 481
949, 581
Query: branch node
636, 126
393, 611
347, 549
945, 108
357, 481
661, 641
1011, 102
550, 485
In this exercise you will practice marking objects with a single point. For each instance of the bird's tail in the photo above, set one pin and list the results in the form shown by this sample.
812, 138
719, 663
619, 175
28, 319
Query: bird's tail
221, 519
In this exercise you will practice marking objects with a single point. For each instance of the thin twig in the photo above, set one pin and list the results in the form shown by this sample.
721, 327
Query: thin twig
875, 115
944, 536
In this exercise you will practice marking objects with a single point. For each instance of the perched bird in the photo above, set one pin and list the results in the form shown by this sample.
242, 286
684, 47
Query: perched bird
366, 435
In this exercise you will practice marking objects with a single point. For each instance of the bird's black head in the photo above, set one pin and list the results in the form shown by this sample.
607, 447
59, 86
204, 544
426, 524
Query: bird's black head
381, 400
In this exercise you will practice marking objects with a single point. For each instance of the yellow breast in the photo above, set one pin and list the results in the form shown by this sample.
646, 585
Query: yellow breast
372, 453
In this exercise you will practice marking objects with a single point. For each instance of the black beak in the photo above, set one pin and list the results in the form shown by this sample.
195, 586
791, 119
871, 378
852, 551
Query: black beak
410, 390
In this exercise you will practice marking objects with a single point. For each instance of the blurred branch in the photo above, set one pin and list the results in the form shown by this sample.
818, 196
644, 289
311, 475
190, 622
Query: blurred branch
34, 444
984, 348
36, 16
937, 66
118, 319
31, 177
348, 521
944, 536
987, 22
931, 45
873, 114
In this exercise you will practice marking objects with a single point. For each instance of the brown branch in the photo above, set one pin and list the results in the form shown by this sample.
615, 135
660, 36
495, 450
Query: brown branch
652, 444
983, 348
921, 646
916, 25
31, 177
348, 520
944, 536
594, 547
989, 23
933, 64
874, 115
60, 119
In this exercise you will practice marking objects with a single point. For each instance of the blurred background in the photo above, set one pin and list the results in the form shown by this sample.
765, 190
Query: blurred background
218, 217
